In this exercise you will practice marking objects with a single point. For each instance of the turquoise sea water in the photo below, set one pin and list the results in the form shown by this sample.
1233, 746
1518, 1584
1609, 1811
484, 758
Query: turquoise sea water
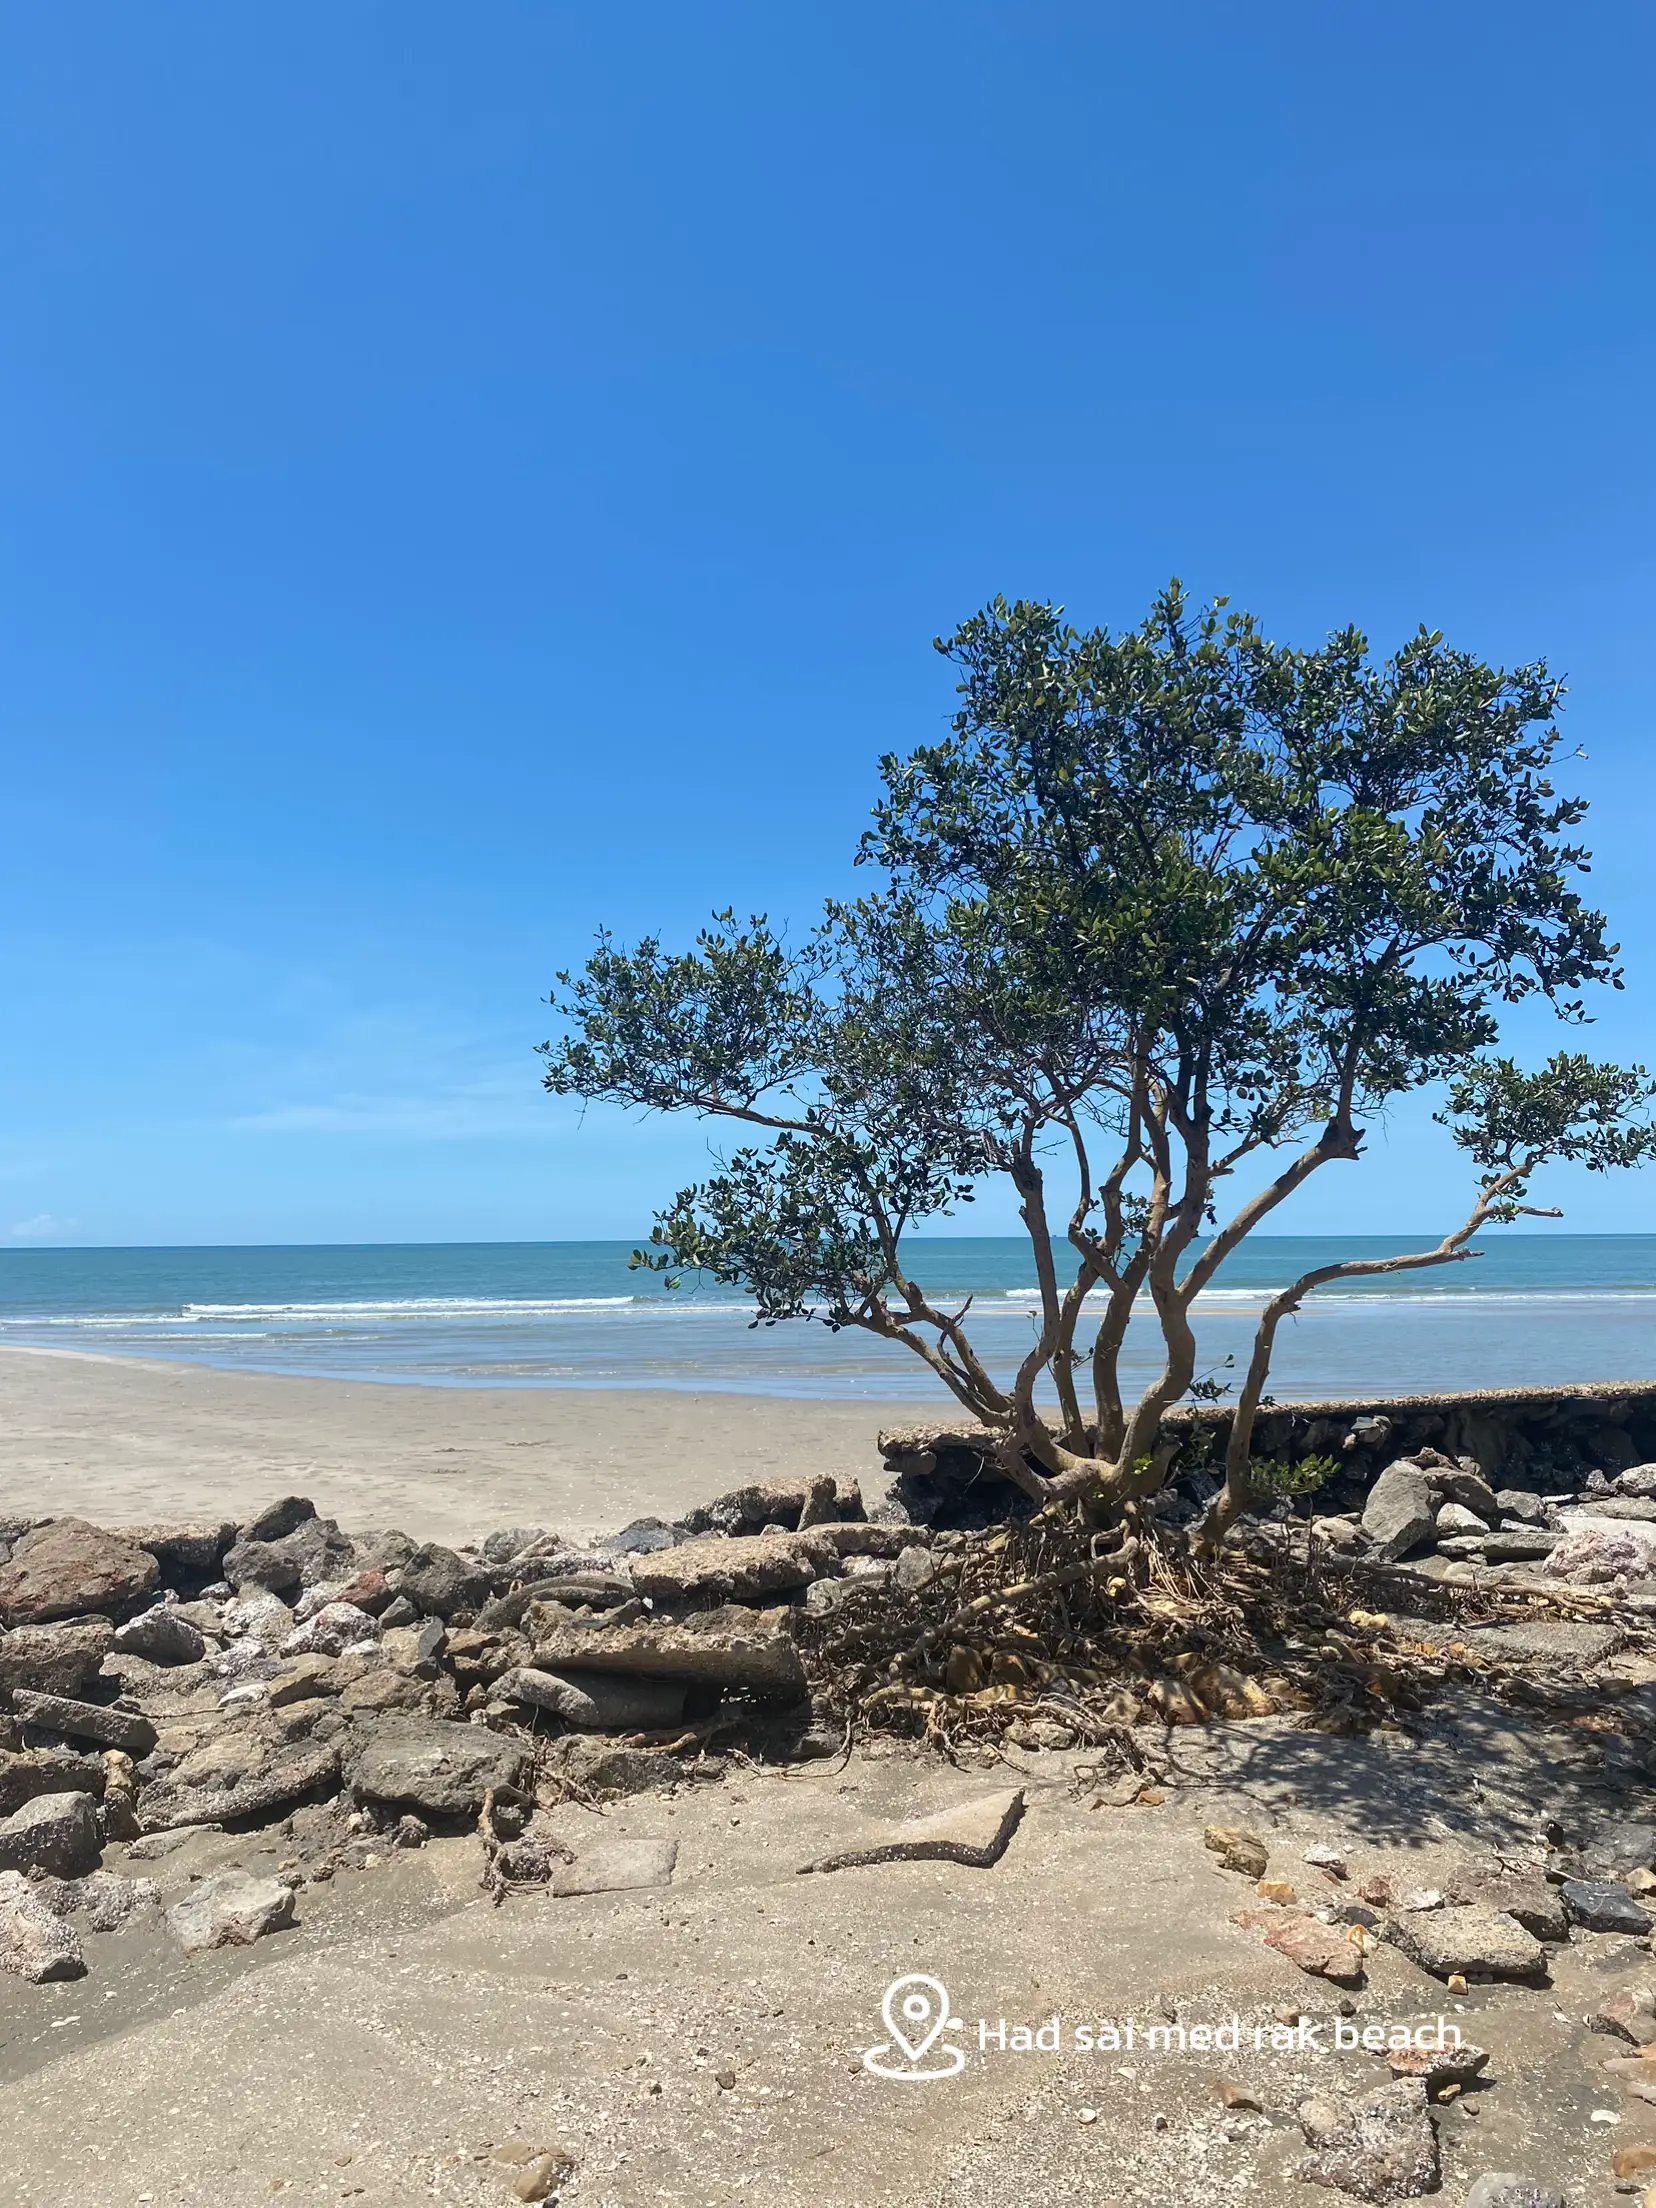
1531, 1309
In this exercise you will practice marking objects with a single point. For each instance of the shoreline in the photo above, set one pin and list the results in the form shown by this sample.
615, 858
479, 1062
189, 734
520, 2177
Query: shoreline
132, 1440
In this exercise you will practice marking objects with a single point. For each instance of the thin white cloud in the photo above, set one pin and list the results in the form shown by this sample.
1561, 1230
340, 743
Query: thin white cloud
45, 1226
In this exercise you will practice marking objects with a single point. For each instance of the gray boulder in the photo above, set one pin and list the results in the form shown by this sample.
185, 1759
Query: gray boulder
162, 1636
1600, 1905
1469, 1491
1399, 1513
509, 1541
441, 1584
1620, 1848
69, 1569
54, 1659
34, 1943
1455, 1518
1518, 1503
252, 1564
55, 1833
278, 1519
437, 1768
231, 1910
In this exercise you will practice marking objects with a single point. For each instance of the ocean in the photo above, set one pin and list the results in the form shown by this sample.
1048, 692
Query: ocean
1532, 1309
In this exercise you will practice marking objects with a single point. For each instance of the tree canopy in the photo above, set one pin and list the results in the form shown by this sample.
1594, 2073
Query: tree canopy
1159, 904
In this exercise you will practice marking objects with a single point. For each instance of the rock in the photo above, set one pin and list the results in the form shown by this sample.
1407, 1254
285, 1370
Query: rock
595, 1591
1555, 1642
617, 1866
231, 1910
542, 2174
193, 1552
336, 1627
54, 1659
109, 1902
1629, 2013
442, 1770
975, 1833
415, 1648
161, 1636
1454, 1942
1520, 1546
478, 1659
1501, 2189
279, 1519
1517, 1503
915, 1566
68, 1569
1437, 2067
731, 1647
1237, 1849
56, 1833
597, 1701
1452, 1518
746, 1509
1386, 2150
35, 1944
384, 1689
510, 1541
233, 1775
260, 1616
1620, 1849
1471, 1492
57, 1713
644, 1537
1324, 1857
1600, 1905
1594, 1553
369, 1590
1320, 1950
322, 1554
743, 1568
1397, 1516
306, 1679
600, 1768
253, 1564
440, 1584
46, 1771
1531, 1901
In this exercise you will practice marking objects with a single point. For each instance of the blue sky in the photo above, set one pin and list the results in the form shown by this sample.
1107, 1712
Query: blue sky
466, 475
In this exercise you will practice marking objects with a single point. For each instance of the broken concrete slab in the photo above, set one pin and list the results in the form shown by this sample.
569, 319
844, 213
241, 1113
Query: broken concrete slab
1470, 1941
730, 1647
434, 1766
56, 1713
744, 1567
616, 1867
232, 1777
974, 1833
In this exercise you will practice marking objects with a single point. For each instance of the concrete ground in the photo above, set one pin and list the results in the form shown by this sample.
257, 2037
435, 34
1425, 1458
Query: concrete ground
701, 2043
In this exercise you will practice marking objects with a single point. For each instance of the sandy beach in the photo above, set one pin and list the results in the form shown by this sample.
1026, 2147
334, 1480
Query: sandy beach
125, 1441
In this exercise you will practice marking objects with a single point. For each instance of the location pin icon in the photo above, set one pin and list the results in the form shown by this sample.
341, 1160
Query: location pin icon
908, 2003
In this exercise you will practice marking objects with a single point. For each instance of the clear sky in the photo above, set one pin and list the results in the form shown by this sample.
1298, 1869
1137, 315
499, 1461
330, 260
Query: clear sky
467, 473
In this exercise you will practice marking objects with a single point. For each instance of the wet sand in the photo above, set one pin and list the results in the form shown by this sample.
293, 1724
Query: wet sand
125, 1441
